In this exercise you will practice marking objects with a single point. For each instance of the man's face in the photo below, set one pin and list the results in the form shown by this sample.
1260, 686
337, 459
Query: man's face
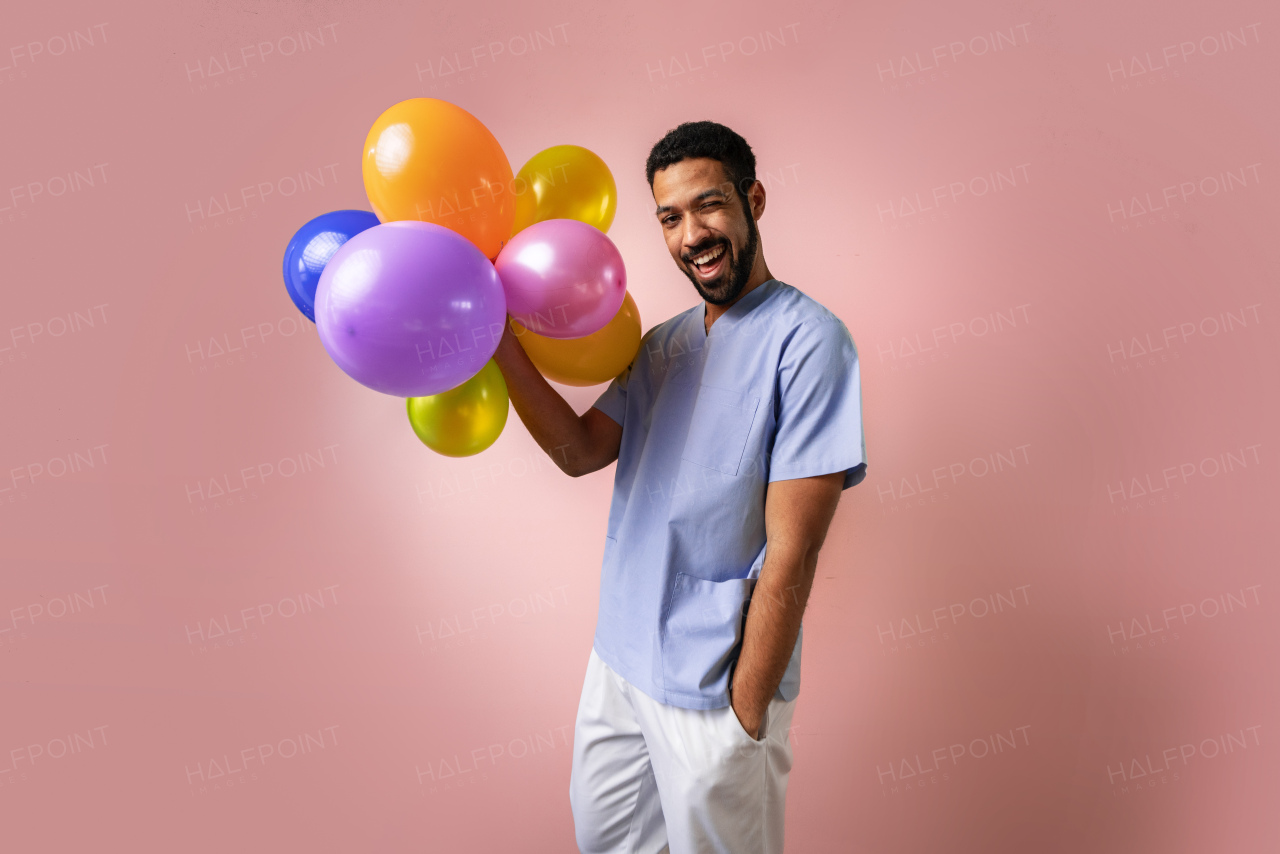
703, 220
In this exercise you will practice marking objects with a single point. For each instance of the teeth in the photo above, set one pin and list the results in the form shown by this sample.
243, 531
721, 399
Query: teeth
709, 256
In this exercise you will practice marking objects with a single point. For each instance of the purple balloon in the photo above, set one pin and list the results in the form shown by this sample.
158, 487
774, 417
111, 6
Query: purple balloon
563, 278
410, 308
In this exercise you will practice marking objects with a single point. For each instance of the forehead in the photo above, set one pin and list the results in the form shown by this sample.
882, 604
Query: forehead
682, 181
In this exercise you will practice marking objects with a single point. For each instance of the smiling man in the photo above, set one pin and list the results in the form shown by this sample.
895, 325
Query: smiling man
735, 429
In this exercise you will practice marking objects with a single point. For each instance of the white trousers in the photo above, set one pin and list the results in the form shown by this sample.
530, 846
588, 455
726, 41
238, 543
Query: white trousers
650, 778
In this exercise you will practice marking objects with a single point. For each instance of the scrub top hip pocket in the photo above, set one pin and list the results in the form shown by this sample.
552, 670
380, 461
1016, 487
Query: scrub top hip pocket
702, 633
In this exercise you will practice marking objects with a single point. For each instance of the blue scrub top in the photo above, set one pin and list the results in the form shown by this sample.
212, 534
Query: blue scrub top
708, 421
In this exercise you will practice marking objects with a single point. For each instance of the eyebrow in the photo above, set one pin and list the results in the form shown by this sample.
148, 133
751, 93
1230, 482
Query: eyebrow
704, 194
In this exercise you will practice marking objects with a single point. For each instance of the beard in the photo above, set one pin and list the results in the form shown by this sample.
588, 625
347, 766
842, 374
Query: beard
726, 287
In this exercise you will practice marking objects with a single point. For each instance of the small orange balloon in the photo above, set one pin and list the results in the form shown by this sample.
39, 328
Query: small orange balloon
589, 360
432, 161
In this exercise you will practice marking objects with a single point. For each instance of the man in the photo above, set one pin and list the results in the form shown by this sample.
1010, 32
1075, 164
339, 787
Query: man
735, 428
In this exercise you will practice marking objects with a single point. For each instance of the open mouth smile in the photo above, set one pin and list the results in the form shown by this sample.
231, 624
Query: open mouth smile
708, 264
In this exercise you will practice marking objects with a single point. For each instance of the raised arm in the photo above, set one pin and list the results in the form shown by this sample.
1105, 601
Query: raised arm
578, 444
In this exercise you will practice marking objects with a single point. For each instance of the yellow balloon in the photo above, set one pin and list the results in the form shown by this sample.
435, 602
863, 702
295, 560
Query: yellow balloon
464, 420
565, 182
589, 360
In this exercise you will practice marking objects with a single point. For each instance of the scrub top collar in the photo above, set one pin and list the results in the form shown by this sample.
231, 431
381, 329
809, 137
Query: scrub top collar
746, 303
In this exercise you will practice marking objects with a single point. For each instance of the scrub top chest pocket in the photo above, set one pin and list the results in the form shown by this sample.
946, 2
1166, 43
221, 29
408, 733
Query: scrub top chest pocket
719, 428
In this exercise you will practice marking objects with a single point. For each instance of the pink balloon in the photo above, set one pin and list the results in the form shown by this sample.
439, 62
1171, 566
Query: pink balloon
563, 278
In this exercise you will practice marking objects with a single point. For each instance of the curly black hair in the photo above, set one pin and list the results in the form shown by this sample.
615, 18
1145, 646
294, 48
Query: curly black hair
705, 139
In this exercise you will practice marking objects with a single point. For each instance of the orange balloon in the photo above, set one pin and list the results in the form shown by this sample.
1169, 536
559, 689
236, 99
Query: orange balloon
430, 160
589, 360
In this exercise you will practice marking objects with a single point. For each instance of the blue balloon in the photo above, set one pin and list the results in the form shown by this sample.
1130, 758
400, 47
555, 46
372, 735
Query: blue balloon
312, 247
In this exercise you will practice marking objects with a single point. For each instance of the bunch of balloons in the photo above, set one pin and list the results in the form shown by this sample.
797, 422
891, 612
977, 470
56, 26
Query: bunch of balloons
412, 299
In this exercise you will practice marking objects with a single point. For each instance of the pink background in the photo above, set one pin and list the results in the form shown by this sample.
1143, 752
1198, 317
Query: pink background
1039, 358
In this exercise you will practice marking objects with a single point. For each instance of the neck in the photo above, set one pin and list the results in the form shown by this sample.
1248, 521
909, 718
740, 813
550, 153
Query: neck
759, 275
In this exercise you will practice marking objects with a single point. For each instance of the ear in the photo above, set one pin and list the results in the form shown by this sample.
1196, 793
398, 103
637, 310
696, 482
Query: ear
756, 196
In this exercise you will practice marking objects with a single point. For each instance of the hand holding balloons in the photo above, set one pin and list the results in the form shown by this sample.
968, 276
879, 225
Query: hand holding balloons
410, 300
591, 359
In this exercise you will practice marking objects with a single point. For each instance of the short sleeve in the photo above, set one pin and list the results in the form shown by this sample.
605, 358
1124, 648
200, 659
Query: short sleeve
613, 401
819, 406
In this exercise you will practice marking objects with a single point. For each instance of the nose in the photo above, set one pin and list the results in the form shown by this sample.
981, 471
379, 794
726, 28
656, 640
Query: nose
695, 232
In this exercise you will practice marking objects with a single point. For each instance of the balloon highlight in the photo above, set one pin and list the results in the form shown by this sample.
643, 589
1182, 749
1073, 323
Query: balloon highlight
465, 420
563, 278
410, 308
565, 182
431, 161
312, 247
